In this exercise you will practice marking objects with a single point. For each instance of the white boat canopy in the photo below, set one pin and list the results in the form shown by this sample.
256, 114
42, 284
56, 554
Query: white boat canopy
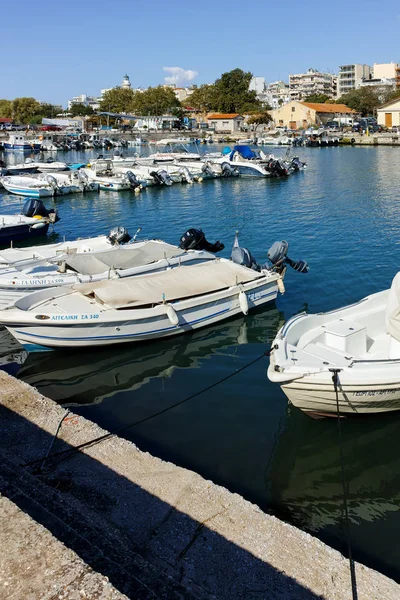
121, 258
169, 285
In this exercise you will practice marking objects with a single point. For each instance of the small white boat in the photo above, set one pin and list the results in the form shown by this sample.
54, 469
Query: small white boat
56, 184
114, 262
21, 257
28, 166
51, 166
102, 172
140, 308
361, 341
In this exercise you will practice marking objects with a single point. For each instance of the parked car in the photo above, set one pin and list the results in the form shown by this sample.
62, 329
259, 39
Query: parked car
51, 128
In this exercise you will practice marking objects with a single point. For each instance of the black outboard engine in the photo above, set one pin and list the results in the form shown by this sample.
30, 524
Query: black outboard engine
228, 170
119, 235
161, 177
277, 255
194, 239
133, 180
36, 208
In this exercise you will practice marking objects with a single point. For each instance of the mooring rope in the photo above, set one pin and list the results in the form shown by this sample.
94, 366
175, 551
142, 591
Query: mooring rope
336, 383
69, 451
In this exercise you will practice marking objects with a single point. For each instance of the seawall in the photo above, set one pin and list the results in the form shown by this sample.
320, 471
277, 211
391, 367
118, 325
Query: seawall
110, 521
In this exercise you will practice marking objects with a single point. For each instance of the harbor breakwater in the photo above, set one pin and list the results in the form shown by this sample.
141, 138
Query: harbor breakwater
110, 521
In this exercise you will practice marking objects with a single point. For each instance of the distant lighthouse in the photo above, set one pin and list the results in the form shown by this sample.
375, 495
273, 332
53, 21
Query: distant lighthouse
126, 84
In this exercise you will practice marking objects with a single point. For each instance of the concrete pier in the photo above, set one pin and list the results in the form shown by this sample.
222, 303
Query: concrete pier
109, 521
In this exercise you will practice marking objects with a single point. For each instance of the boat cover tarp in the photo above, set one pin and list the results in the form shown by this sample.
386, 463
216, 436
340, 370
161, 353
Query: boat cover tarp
95, 263
393, 309
244, 151
181, 282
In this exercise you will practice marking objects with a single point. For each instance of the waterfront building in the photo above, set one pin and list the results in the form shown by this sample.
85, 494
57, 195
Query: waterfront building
300, 115
310, 83
385, 70
351, 77
388, 115
277, 94
85, 100
225, 123
258, 85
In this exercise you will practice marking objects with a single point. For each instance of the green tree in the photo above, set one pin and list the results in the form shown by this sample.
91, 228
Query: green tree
49, 111
204, 98
80, 110
155, 101
233, 94
5, 109
117, 100
261, 118
364, 100
318, 98
24, 109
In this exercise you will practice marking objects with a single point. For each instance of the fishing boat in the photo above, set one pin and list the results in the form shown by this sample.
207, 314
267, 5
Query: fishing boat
252, 163
56, 184
21, 257
34, 221
150, 306
113, 263
357, 346
18, 141
102, 172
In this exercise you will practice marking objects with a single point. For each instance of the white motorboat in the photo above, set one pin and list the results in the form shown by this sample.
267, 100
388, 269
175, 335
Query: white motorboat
102, 172
28, 166
246, 162
32, 222
152, 305
140, 308
114, 262
20, 257
360, 341
51, 166
56, 184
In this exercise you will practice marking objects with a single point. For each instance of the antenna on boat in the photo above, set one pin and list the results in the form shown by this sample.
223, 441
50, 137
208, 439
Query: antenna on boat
136, 234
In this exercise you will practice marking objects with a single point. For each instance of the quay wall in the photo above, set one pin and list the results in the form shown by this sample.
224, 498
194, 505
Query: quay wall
110, 520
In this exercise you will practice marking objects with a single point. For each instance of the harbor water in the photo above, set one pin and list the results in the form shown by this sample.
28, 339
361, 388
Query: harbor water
342, 215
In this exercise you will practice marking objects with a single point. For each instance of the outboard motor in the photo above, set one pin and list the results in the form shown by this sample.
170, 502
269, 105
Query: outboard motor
36, 208
161, 177
243, 256
84, 180
194, 239
133, 180
119, 235
185, 174
297, 164
228, 170
277, 255
208, 170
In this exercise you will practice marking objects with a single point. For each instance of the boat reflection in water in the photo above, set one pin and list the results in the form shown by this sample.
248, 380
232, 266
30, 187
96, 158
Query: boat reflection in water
89, 378
12, 355
305, 488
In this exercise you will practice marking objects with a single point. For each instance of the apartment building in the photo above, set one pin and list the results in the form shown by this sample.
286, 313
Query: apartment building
351, 77
312, 82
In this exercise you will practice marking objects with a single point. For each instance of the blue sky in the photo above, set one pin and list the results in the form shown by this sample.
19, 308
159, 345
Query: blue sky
53, 51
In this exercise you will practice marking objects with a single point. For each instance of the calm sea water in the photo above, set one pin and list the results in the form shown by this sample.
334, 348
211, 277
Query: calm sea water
342, 215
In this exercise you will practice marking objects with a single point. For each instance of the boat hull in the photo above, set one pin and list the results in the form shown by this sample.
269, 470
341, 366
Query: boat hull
357, 398
21, 232
95, 329
23, 147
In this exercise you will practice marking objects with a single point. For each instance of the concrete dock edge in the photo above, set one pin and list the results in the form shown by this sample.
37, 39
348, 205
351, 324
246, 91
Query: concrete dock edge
111, 521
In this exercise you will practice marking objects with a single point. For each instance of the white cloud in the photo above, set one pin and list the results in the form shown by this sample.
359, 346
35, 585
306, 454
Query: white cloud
179, 76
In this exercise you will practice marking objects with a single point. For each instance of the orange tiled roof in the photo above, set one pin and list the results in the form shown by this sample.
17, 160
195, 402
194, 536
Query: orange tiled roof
328, 108
223, 116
